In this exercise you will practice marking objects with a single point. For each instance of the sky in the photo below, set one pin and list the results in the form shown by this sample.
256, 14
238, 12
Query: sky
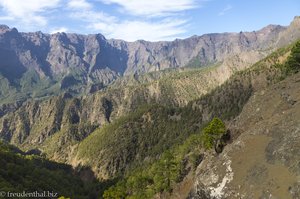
152, 20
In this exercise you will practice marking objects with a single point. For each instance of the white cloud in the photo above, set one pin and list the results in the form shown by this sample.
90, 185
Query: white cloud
152, 8
151, 19
225, 10
60, 29
79, 4
134, 30
29, 11
92, 16
164, 26
6, 18
167, 28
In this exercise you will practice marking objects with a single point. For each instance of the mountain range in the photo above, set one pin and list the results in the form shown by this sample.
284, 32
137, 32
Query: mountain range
36, 64
111, 108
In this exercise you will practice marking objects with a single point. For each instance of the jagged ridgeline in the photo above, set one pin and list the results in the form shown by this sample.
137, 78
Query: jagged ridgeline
37, 65
140, 124
226, 102
64, 119
137, 141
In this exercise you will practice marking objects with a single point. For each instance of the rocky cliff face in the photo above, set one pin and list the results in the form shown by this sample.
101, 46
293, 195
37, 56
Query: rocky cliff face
71, 61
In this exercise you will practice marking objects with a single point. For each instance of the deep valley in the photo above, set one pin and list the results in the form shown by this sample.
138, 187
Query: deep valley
208, 117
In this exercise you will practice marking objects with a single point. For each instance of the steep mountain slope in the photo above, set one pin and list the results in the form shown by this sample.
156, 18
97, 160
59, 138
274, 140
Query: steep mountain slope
216, 172
30, 124
32, 174
65, 121
154, 120
56, 124
263, 162
36, 64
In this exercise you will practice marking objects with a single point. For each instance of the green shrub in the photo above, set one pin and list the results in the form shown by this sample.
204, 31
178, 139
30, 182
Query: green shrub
214, 130
293, 62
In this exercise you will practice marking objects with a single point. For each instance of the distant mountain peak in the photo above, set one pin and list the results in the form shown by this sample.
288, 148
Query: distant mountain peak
87, 57
270, 28
296, 21
297, 18
4, 28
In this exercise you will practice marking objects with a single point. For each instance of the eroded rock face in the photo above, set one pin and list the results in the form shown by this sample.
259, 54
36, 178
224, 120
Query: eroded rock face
94, 59
263, 162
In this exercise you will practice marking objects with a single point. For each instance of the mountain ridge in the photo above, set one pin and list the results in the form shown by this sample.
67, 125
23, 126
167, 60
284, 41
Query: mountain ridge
38, 64
144, 130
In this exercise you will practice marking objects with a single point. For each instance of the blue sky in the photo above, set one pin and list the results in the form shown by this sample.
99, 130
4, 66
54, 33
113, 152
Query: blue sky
152, 20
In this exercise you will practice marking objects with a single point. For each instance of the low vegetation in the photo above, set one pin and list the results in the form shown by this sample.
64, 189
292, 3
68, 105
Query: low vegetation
171, 167
152, 148
21, 172
225, 102
292, 64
